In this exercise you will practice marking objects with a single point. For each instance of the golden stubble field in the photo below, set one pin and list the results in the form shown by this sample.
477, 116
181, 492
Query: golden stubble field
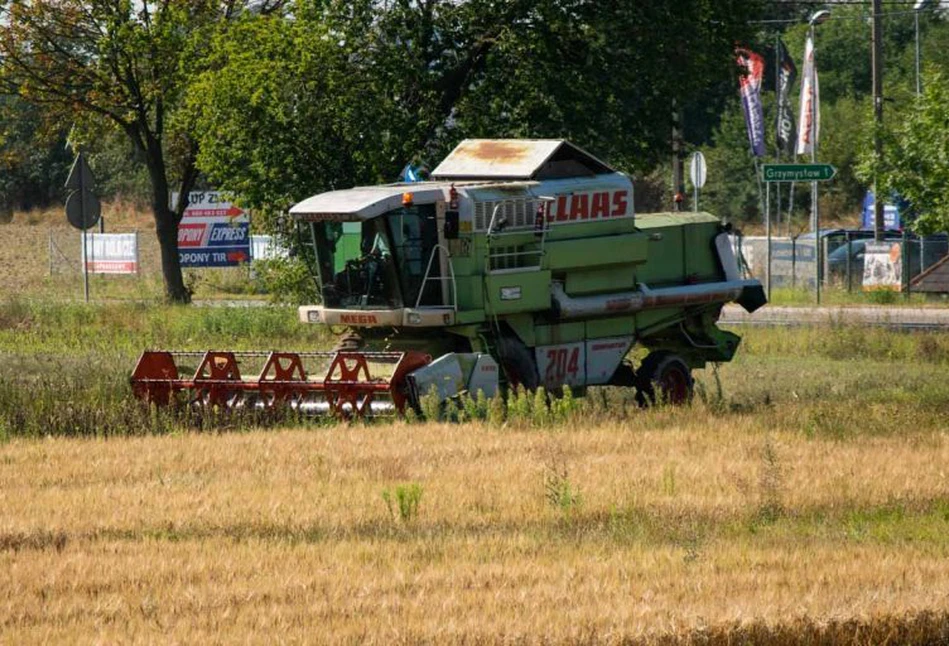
676, 527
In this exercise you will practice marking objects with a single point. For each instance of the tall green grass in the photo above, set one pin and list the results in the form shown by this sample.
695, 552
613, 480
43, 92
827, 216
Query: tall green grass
35, 326
64, 370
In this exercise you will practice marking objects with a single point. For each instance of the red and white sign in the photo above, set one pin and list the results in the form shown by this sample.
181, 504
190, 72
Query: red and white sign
592, 205
112, 253
213, 232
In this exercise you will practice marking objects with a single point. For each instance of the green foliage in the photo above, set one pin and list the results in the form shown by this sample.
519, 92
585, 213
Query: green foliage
405, 500
450, 410
559, 491
497, 410
105, 67
732, 190
431, 405
347, 93
287, 280
915, 161
519, 405
565, 407
33, 159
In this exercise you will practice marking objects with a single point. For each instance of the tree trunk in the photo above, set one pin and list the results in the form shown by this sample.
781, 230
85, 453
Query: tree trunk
166, 226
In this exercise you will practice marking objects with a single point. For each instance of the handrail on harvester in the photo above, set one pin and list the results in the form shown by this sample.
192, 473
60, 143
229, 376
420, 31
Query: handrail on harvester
440, 279
492, 233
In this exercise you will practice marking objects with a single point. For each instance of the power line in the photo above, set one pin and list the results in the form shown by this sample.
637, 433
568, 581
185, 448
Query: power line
788, 21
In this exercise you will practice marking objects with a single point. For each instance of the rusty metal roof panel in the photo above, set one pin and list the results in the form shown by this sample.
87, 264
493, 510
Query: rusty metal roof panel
513, 159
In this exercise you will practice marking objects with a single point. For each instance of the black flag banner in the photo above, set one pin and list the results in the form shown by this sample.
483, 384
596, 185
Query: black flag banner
787, 72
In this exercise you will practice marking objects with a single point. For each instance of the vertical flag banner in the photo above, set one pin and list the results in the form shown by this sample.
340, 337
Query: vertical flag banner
752, 67
787, 73
808, 130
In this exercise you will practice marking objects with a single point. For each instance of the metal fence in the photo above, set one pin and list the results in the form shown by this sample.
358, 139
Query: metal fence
841, 254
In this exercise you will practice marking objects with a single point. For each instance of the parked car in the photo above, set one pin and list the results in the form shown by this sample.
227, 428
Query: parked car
837, 260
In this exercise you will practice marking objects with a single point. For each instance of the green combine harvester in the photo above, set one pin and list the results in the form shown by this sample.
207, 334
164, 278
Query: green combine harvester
521, 263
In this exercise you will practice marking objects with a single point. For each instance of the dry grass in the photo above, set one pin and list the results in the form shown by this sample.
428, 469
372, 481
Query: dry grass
684, 527
25, 257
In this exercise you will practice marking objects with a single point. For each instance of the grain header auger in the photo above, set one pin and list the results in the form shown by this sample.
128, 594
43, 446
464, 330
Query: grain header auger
520, 263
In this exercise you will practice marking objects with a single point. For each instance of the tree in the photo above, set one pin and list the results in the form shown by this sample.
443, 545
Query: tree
123, 64
915, 162
33, 158
348, 92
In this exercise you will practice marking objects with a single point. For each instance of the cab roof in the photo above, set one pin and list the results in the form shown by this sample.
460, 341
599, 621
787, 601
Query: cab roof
364, 202
502, 164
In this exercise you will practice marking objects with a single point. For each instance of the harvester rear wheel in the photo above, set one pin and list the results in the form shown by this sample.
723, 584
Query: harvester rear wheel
666, 374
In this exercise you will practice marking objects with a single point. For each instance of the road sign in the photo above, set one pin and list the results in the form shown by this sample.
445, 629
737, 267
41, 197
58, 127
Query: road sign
82, 206
83, 210
697, 170
797, 172
80, 175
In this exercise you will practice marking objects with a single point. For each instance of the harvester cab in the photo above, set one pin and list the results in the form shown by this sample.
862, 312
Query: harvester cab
521, 262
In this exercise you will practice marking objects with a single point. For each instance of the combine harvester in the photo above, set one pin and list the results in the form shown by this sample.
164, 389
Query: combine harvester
521, 263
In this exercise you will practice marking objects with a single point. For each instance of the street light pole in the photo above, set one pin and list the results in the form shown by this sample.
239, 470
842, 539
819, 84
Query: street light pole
919, 6
877, 33
916, 17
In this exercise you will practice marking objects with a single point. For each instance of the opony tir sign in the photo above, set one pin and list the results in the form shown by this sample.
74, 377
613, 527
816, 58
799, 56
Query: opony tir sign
213, 232
797, 172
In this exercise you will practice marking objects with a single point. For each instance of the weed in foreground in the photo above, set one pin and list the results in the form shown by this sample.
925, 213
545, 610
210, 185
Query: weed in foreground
770, 481
559, 491
404, 500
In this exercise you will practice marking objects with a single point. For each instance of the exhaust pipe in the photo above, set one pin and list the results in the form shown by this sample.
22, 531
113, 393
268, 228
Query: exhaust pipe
569, 307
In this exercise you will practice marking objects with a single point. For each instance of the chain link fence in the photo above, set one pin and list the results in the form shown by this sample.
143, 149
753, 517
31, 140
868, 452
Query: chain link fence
843, 254
64, 251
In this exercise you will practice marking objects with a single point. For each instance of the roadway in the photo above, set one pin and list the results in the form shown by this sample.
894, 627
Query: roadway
892, 317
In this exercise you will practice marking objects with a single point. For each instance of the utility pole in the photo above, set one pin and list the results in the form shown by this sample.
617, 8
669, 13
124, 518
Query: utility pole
877, 117
678, 181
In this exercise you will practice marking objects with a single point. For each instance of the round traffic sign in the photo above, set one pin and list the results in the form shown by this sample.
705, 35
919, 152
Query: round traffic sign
83, 209
697, 170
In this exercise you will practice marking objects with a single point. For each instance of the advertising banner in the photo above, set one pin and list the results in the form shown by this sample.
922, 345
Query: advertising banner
787, 73
112, 253
883, 266
213, 232
891, 214
752, 66
808, 131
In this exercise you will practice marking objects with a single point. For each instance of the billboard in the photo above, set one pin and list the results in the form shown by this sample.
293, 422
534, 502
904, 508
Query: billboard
111, 253
883, 266
213, 232
891, 214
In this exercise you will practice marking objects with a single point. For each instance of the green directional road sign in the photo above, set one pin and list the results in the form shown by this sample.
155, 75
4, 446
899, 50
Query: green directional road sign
797, 172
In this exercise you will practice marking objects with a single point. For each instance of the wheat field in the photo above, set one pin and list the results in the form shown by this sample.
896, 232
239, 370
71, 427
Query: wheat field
669, 527
803, 498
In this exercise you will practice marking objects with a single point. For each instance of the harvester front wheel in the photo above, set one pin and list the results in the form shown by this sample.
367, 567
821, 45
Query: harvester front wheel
518, 363
666, 377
